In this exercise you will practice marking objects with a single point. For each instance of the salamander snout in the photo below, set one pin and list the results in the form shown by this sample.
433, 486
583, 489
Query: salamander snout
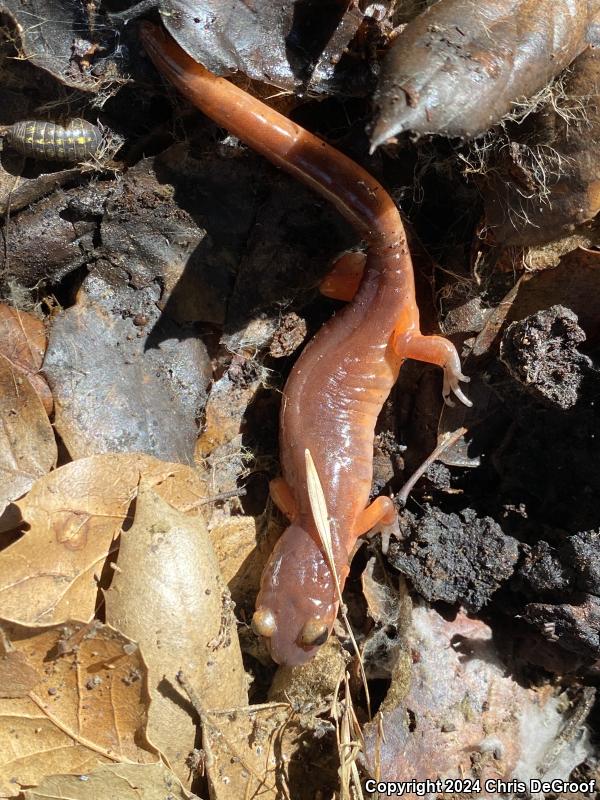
296, 606
285, 647
313, 633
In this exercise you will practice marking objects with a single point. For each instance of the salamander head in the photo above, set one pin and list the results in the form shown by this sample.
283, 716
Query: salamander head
296, 606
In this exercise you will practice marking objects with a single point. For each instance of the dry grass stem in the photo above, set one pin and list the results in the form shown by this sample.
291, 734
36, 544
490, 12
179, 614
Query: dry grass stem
318, 506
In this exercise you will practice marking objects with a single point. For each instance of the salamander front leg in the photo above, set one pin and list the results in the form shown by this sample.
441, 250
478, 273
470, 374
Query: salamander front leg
343, 280
379, 517
435, 350
282, 496
380, 512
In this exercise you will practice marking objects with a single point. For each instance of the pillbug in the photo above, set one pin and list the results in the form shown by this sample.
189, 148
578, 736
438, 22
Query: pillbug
76, 141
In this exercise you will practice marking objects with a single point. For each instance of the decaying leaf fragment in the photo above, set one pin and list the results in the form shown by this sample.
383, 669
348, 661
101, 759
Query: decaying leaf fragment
23, 343
572, 283
87, 707
276, 41
457, 712
114, 393
168, 595
67, 39
27, 443
256, 751
457, 68
74, 514
110, 781
545, 179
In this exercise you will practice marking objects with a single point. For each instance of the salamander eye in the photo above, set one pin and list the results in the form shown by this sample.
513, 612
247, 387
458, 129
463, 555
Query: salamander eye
314, 632
263, 622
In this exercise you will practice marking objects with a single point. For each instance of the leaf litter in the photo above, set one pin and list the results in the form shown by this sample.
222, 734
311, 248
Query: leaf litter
103, 538
85, 705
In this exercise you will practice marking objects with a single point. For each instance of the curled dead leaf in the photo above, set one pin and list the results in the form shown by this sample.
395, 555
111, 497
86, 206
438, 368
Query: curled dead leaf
458, 67
87, 708
167, 594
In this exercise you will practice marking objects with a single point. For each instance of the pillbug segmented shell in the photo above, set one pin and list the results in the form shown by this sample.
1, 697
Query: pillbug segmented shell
76, 141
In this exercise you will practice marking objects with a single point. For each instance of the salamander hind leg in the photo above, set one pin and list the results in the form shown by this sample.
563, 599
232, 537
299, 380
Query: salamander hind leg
343, 280
435, 350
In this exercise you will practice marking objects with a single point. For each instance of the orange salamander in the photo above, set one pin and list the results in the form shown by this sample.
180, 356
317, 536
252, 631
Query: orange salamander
342, 378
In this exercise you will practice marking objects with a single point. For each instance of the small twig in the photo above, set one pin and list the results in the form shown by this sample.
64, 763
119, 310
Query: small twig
447, 441
240, 492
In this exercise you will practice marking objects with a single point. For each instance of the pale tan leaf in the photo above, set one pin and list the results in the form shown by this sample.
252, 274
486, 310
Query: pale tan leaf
243, 546
167, 594
88, 708
74, 513
17, 676
111, 781
27, 443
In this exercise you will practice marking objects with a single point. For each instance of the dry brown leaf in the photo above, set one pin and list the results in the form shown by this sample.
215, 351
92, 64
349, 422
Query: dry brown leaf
110, 781
227, 404
27, 443
168, 595
384, 603
457, 68
252, 752
87, 708
17, 676
242, 551
74, 514
23, 343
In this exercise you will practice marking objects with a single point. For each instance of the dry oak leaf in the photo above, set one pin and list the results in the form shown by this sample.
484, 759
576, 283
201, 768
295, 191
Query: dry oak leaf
258, 750
23, 343
87, 708
74, 514
27, 443
168, 595
110, 781
459, 66
243, 545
